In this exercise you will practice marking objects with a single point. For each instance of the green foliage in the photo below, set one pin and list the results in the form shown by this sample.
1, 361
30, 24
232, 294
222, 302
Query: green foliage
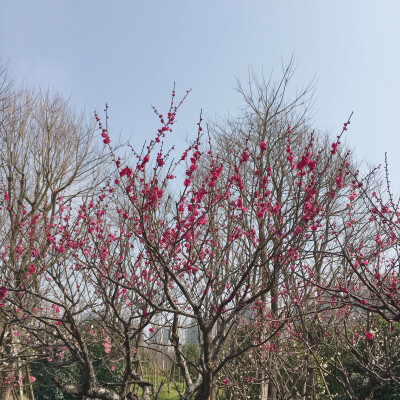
44, 387
192, 352
389, 391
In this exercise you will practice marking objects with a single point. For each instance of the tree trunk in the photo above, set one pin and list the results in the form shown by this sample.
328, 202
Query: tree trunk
264, 390
5, 390
264, 386
309, 385
213, 394
146, 393
274, 308
206, 390
28, 374
273, 392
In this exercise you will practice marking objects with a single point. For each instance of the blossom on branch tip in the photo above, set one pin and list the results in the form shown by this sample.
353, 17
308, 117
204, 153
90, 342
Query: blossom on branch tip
32, 269
369, 336
263, 146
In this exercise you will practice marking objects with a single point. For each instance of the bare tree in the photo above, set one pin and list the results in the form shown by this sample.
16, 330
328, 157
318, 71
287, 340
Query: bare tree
48, 155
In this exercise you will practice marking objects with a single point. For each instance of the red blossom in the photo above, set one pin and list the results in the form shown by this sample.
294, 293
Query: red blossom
369, 336
32, 269
263, 146
3, 292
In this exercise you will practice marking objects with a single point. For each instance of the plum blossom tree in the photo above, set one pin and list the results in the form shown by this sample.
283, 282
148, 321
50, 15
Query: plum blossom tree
280, 125
258, 227
77, 318
46, 150
271, 247
366, 289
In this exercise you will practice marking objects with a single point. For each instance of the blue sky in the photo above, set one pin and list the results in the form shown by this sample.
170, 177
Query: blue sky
129, 53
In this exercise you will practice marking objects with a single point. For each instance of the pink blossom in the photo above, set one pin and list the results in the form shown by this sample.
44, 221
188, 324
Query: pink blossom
369, 335
32, 269
3, 292
298, 230
303, 163
245, 156
107, 346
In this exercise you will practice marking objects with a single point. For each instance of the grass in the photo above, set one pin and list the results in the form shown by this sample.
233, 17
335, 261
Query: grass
172, 395
164, 395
